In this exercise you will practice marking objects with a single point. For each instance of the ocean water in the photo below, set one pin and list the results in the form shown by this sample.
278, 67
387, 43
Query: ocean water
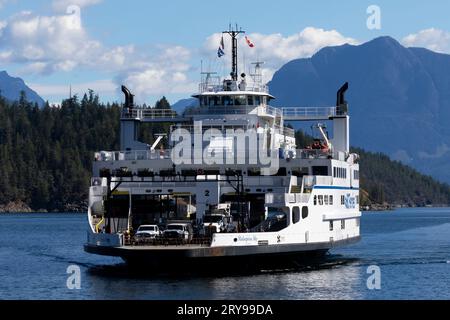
411, 248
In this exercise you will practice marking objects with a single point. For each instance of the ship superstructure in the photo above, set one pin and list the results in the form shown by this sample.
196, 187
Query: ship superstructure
227, 182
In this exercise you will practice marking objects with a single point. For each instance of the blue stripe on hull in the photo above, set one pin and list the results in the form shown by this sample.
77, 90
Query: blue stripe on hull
335, 188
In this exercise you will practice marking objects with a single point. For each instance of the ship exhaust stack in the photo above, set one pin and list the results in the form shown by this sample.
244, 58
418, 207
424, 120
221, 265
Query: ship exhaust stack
129, 125
341, 95
341, 127
129, 98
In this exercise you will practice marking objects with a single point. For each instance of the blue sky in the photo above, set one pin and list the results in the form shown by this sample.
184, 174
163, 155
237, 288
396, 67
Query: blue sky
155, 47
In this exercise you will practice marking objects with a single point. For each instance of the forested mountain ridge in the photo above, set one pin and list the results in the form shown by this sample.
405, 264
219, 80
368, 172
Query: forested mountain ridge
46, 156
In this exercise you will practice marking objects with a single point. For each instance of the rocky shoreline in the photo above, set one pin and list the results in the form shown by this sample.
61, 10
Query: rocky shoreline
21, 207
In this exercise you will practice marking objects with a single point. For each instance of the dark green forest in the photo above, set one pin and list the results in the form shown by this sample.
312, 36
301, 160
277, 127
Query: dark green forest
46, 155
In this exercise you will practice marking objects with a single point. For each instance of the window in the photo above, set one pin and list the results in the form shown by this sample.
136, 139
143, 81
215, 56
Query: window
295, 214
282, 172
315, 200
305, 212
342, 200
331, 200
331, 225
240, 100
334, 172
326, 200
227, 101
356, 175
342, 224
357, 199
250, 100
299, 172
321, 200
319, 171
257, 100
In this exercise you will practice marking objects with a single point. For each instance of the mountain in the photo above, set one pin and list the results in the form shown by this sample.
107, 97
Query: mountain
11, 87
182, 104
399, 98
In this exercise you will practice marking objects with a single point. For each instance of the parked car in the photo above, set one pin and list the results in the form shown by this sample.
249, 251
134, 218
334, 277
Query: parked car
150, 230
183, 231
142, 238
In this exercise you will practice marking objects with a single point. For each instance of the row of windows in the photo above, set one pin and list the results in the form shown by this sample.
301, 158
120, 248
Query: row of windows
339, 172
215, 101
328, 200
323, 200
296, 214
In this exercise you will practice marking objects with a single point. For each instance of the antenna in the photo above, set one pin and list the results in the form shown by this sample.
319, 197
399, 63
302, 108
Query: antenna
234, 34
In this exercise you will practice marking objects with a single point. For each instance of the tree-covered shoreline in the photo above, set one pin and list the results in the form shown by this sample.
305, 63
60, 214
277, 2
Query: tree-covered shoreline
46, 157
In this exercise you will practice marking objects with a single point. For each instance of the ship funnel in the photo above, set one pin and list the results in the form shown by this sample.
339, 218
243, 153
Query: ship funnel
341, 95
129, 98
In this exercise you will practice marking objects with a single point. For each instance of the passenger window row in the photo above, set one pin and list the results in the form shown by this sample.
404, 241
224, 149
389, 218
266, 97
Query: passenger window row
321, 200
339, 172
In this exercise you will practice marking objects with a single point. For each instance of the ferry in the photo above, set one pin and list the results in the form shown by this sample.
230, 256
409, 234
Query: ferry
226, 186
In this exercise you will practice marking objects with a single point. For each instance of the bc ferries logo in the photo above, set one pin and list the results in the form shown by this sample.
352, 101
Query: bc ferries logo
349, 201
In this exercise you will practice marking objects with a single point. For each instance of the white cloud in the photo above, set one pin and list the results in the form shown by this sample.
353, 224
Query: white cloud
59, 43
433, 39
165, 73
276, 49
62, 5
54, 43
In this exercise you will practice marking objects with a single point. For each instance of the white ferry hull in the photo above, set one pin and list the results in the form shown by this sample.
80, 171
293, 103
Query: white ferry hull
203, 258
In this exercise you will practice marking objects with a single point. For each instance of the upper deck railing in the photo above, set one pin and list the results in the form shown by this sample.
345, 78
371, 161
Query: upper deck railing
289, 114
206, 87
309, 113
149, 114
134, 155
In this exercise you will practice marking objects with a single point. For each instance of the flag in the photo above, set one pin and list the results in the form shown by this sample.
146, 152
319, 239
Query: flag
220, 52
250, 44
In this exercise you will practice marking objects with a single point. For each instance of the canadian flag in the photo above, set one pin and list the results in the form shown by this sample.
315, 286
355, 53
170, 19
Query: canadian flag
250, 44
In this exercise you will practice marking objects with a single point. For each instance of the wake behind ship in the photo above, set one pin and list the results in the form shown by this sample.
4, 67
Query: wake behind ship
226, 186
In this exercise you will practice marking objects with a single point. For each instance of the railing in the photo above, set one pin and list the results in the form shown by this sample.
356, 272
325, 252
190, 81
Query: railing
314, 154
166, 153
220, 110
311, 181
149, 113
300, 113
162, 241
132, 155
209, 87
268, 110
281, 199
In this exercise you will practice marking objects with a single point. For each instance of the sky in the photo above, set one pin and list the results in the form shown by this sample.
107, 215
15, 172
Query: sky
158, 48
